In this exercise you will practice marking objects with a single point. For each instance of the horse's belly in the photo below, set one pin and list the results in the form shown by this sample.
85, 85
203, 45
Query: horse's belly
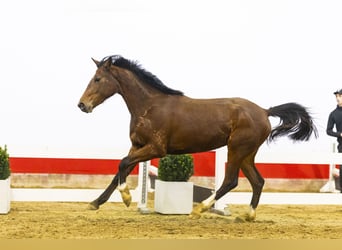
194, 144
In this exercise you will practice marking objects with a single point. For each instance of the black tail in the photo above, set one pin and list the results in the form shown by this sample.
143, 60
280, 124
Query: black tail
295, 121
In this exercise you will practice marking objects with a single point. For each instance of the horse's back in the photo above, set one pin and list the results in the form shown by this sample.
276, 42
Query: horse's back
234, 107
218, 110
206, 124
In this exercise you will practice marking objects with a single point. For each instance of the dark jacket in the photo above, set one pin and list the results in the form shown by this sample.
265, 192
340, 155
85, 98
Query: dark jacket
335, 120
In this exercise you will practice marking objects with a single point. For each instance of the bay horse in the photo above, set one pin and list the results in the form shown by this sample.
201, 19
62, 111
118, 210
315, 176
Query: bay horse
165, 121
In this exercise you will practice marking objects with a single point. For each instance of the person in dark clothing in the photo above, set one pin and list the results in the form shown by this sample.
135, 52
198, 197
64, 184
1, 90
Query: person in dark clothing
335, 120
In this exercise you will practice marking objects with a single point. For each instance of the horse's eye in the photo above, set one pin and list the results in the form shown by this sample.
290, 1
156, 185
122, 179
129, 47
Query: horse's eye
97, 79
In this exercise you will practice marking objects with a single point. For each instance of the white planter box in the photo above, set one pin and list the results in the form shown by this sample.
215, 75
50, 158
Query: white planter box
5, 196
173, 197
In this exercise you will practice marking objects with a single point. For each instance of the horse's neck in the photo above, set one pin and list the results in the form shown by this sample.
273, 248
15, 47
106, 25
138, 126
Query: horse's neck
136, 95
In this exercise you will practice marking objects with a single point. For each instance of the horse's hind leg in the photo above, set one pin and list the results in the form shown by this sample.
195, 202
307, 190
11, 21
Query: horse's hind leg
257, 183
242, 150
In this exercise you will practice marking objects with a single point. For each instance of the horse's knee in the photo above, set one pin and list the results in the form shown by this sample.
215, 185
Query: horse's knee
123, 170
123, 165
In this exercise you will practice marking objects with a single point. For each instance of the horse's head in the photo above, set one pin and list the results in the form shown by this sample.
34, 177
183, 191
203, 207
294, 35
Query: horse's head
102, 86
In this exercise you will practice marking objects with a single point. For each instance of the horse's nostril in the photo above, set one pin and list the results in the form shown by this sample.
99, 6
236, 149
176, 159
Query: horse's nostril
85, 108
81, 106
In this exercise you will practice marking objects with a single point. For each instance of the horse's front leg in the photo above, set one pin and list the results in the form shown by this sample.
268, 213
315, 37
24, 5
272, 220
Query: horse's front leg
126, 166
124, 170
94, 205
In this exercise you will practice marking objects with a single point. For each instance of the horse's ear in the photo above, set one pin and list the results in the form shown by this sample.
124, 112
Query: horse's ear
96, 62
107, 63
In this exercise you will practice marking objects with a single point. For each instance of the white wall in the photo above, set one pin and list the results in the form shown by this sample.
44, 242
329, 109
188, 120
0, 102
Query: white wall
270, 52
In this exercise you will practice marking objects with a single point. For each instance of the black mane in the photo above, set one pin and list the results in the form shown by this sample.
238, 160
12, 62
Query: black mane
141, 73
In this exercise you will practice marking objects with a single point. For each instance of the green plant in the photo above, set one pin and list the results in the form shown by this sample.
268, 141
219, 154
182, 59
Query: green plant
5, 170
176, 167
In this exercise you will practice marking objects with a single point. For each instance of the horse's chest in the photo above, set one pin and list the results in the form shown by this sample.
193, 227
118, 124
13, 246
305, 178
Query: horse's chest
141, 124
143, 130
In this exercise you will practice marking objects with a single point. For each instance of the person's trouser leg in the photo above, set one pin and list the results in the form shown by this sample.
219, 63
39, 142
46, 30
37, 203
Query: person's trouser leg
340, 178
339, 149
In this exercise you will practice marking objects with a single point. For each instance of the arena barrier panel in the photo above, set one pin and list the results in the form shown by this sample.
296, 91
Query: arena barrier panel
55, 160
97, 161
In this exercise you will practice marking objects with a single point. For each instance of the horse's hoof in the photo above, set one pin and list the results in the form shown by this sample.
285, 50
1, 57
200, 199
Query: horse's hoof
240, 219
194, 215
250, 218
245, 218
196, 211
251, 215
126, 196
127, 199
93, 206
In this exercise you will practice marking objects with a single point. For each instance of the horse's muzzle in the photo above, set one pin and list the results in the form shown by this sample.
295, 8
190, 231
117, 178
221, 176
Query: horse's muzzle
84, 108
